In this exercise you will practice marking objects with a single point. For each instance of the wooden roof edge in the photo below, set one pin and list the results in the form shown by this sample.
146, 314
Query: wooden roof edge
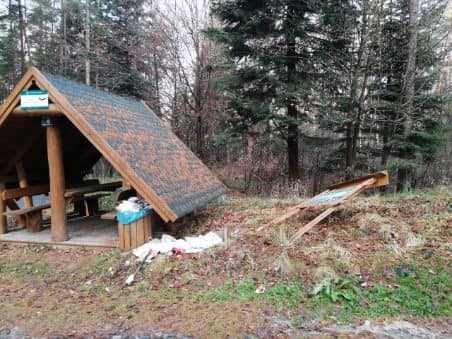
188, 149
381, 177
104, 148
14, 96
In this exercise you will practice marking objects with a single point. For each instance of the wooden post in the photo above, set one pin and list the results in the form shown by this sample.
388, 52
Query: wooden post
23, 183
56, 175
3, 221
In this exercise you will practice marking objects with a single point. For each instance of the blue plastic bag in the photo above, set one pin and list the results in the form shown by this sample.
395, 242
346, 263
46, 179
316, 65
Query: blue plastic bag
128, 217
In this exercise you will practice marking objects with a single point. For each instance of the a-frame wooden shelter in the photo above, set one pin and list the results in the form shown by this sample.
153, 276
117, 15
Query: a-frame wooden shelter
85, 124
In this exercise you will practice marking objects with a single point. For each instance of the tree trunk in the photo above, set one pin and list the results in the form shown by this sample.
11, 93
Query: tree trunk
408, 88
349, 150
87, 45
12, 46
63, 44
292, 112
22, 35
292, 145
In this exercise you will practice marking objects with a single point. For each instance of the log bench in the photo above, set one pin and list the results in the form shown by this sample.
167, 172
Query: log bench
32, 215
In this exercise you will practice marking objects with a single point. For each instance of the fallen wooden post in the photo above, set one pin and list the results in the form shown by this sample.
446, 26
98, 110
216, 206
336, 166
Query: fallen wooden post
333, 198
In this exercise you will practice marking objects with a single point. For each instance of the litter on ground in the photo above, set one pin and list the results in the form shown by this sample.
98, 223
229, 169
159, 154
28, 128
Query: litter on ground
170, 245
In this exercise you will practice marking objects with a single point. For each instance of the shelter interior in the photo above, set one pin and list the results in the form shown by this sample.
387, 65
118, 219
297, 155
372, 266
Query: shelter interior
27, 169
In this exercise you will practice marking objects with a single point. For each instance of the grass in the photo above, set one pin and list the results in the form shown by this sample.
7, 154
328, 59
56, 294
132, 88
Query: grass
33, 269
415, 290
378, 257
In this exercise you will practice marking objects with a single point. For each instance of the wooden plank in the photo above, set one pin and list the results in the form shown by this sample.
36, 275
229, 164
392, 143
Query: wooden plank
146, 228
348, 195
23, 183
312, 223
16, 193
58, 228
78, 191
381, 179
133, 234
291, 213
109, 215
53, 110
140, 232
3, 219
27, 210
126, 237
121, 235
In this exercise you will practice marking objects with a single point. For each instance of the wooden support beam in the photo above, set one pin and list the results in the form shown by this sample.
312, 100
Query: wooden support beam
312, 223
23, 183
16, 193
3, 220
53, 110
57, 182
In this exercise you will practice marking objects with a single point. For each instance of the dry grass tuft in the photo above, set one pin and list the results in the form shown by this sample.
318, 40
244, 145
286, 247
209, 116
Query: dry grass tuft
283, 264
324, 273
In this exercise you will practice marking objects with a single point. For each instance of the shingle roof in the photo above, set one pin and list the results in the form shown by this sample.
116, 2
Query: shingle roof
140, 143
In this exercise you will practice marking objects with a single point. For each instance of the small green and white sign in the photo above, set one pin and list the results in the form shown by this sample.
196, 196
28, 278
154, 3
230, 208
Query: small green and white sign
34, 99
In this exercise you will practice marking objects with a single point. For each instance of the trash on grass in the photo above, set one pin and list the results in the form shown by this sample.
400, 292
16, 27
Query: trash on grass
260, 289
130, 279
171, 245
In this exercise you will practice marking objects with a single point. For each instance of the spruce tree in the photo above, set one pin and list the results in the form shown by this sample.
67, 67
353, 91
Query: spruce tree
272, 47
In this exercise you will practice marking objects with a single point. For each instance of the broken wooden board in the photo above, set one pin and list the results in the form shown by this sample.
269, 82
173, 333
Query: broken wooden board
333, 198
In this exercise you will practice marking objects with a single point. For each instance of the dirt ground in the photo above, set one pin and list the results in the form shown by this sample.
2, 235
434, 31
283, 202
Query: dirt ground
381, 265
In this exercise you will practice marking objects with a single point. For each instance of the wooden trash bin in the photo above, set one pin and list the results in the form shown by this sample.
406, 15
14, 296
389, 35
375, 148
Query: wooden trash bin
135, 234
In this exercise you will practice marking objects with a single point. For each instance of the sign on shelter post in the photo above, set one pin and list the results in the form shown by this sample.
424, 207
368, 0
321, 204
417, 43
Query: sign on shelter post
34, 99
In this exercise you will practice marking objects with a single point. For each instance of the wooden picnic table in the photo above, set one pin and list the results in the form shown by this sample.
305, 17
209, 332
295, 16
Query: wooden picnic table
85, 205
82, 190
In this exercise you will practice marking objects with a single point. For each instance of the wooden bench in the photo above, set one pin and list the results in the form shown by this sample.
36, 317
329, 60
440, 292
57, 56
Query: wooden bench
33, 216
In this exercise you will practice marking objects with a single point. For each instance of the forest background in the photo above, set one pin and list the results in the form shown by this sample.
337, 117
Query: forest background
277, 96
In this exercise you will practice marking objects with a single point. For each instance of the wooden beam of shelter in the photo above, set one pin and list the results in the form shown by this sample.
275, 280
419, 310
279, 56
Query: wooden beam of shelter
53, 110
3, 221
23, 183
58, 228
16, 193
